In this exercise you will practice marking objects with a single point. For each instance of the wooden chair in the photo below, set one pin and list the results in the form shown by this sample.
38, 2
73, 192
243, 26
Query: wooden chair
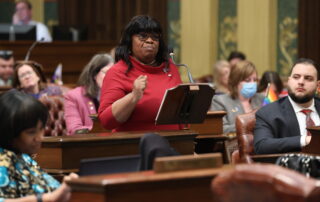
245, 124
4, 89
264, 182
56, 125
204, 79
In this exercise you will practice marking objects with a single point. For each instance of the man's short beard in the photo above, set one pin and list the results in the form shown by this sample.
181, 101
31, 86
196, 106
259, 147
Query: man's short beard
301, 100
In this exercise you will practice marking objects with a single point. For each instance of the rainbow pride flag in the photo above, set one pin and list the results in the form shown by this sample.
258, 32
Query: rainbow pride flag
271, 96
57, 75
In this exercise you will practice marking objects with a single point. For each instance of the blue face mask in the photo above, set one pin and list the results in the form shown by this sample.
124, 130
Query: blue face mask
249, 89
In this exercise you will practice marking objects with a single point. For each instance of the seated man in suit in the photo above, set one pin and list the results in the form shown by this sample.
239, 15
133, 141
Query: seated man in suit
281, 125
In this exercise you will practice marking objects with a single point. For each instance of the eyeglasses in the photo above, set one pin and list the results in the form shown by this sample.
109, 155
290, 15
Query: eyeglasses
27, 73
143, 36
37, 68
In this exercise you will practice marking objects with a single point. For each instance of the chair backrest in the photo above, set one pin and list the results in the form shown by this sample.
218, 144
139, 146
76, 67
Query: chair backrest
205, 79
264, 182
245, 124
56, 125
109, 165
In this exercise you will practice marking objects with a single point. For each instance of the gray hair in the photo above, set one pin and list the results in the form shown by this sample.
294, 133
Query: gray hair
89, 72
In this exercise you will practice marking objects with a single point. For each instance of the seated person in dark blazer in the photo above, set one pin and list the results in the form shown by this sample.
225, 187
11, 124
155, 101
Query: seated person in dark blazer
281, 125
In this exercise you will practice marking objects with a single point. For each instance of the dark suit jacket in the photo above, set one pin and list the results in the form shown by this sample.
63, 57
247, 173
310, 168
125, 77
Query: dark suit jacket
277, 128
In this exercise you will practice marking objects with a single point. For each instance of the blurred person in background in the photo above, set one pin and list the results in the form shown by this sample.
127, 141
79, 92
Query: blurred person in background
6, 67
84, 100
221, 72
23, 16
243, 96
275, 81
235, 57
29, 78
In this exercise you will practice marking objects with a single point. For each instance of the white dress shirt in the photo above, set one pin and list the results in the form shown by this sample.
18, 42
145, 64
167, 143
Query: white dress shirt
42, 31
302, 119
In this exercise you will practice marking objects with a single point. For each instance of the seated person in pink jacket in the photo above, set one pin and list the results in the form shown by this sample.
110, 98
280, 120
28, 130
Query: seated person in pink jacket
83, 101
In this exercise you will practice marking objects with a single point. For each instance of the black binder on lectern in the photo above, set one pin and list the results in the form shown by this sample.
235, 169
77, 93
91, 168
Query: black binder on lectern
185, 103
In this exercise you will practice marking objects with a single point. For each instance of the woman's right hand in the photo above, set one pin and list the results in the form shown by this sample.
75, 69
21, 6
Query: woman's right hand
138, 87
123, 107
62, 194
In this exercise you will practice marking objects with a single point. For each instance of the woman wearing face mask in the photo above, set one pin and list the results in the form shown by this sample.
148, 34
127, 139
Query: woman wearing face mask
243, 96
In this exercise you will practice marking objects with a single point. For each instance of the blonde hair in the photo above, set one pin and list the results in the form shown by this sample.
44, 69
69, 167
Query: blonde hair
217, 75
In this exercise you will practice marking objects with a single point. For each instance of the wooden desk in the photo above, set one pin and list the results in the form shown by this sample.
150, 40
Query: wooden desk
314, 146
266, 158
212, 125
211, 137
73, 55
186, 186
63, 154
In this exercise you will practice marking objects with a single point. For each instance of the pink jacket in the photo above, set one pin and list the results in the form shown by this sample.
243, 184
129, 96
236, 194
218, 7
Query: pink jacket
78, 108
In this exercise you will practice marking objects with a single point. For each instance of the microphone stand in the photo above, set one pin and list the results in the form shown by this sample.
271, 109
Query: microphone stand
189, 97
182, 65
31, 48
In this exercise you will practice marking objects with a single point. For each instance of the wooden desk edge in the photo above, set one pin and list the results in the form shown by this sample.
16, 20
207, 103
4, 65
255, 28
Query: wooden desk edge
116, 136
210, 136
216, 113
141, 177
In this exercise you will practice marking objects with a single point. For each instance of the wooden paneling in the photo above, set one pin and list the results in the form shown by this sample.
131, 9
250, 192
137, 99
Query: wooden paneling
72, 55
309, 29
107, 18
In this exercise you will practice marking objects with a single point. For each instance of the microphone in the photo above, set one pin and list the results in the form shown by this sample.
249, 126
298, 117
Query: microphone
31, 48
12, 36
75, 34
180, 65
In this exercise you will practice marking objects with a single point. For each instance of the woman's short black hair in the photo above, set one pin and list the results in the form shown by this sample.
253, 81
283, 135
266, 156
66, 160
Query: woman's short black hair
236, 54
270, 77
19, 112
140, 23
